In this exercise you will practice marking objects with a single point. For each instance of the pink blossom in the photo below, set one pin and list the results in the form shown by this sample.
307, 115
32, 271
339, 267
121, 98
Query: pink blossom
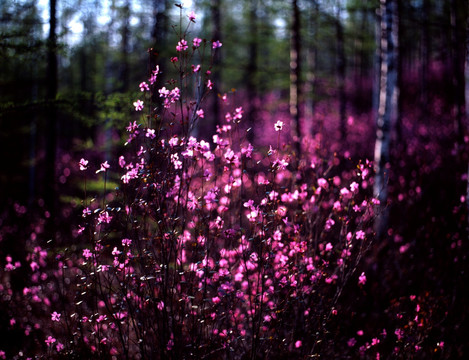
144, 86
87, 253
150, 133
200, 113
298, 344
196, 42
138, 105
209, 84
59, 347
322, 183
182, 45
83, 164
360, 235
50, 340
196, 68
278, 126
216, 44
362, 279
329, 224
191, 16
55, 316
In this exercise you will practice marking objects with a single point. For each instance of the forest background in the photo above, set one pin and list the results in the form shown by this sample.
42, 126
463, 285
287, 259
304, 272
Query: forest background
382, 80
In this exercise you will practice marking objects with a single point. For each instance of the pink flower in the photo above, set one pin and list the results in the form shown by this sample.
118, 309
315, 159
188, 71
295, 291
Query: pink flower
138, 105
209, 84
216, 44
322, 183
144, 86
362, 279
298, 344
55, 316
200, 113
2, 354
87, 253
104, 167
278, 126
196, 42
182, 45
191, 16
50, 340
360, 235
150, 133
59, 347
195, 68
83, 164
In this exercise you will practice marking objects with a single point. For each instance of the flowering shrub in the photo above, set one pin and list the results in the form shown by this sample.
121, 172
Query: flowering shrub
211, 249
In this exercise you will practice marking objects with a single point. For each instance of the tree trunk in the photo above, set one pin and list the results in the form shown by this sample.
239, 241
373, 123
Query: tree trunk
388, 103
51, 134
251, 70
311, 59
341, 74
216, 74
125, 45
295, 78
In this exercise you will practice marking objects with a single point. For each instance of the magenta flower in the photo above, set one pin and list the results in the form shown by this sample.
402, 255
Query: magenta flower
104, 167
362, 279
83, 164
55, 316
360, 235
150, 133
209, 84
200, 113
278, 125
50, 340
191, 16
87, 253
138, 105
216, 44
196, 42
182, 45
144, 86
298, 344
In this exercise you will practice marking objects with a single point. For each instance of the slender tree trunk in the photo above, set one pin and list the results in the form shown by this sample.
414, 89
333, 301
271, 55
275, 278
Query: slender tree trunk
341, 74
425, 56
388, 103
311, 59
125, 45
51, 135
216, 74
457, 77
251, 70
295, 78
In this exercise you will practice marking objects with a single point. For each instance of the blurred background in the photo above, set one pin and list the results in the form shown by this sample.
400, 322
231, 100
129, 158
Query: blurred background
70, 70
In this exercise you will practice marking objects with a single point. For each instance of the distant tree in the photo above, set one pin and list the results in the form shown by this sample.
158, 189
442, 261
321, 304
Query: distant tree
295, 77
341, 67
252, 68
51, 94
215, 9
388, 101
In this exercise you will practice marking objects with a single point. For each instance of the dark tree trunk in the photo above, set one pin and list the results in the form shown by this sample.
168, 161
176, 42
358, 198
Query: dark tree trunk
341, 74
251, 70
388, 103
125, 46
295, 78
216, 74
311, 59
51, 134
